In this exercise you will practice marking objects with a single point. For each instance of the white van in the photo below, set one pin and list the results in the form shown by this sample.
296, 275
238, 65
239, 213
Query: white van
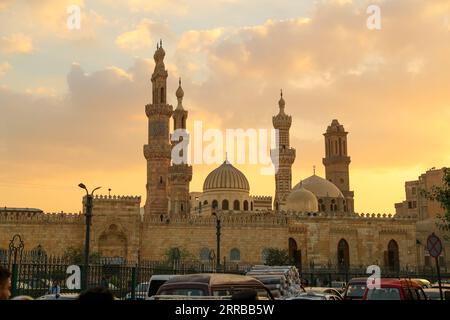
155, 282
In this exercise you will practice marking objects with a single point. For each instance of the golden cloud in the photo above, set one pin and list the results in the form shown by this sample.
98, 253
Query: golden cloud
16, 43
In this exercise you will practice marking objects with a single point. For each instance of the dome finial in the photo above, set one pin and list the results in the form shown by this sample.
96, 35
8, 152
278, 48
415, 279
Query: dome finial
314, 170
281, 103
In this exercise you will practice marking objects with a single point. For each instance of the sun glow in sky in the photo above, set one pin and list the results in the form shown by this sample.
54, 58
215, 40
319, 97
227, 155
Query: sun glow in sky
72, 101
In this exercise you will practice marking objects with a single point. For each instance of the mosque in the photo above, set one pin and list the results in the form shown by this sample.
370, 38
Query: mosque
314, 220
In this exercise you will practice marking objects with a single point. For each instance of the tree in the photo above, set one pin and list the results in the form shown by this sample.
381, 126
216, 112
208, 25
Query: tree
176, 254
277, 257
441, 194
76, 256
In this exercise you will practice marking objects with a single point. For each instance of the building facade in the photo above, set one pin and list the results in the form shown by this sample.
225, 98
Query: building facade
314, 220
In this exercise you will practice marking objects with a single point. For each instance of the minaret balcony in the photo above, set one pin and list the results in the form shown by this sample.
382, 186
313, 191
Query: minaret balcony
158, 109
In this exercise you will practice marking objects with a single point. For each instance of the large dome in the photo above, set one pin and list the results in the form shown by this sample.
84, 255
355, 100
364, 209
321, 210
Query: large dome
226, 177
321, 187
301, 200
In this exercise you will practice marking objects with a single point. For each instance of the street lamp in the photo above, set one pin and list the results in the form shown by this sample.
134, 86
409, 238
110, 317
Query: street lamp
88, 214
218, 228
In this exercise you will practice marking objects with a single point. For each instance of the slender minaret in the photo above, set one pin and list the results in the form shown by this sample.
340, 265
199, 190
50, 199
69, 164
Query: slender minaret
180, 174
283, 157
337, 161
157, 151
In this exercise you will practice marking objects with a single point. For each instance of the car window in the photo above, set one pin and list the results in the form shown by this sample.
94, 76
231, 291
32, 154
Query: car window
356, 290
154, 286
183, 292
383, 294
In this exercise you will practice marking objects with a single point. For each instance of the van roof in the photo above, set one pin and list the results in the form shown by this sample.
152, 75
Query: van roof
214, 279
162, 276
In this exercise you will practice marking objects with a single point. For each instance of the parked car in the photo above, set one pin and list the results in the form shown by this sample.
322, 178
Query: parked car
355, 289
140, 292
424, 283
325, 290
62, 296
396, 289
434, 293
314, 296
156, 281
213, 284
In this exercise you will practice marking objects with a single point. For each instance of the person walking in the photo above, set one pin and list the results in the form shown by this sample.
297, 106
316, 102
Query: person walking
5, 284
55, 288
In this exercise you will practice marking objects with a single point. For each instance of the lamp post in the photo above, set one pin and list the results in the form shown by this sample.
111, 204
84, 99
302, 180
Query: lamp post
218, 229
88, 214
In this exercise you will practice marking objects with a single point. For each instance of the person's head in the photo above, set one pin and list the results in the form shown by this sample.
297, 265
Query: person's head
246, 295
5, 284
96, 294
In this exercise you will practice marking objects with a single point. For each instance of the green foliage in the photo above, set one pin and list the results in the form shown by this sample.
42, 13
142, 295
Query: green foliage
177, 254
76, 256
277, 257
442, 195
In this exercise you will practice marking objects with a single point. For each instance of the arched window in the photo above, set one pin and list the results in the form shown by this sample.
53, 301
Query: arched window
162, 95
340, 147
343, 254
251, 206
199, 207
236, 205
245, 205
214, 204
235, 255
205, 202
225, 204
204, 254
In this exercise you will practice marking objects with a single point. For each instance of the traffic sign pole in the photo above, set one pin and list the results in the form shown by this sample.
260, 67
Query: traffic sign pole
434, 247
438, 269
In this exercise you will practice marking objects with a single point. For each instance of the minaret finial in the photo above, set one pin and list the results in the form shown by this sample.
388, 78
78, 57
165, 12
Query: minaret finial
314, 170
160, 43
179, 82
281, 93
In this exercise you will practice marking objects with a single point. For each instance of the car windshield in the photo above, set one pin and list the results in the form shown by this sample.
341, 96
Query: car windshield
356, 290
383, 294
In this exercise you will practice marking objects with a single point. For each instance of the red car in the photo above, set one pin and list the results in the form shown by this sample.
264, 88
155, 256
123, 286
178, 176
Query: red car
396, 289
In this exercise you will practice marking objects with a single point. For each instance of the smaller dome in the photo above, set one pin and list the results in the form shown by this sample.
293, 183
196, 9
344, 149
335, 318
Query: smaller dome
320, 187
301, 200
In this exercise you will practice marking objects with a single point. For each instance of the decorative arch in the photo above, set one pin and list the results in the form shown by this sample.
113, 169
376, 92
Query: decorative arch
214, 204
245, 205
225, 204
236, 205
235, 254
112, 242
343, 254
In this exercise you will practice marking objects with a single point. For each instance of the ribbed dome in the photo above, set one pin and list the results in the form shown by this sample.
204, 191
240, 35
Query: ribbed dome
301, 200
226, 177
320, 187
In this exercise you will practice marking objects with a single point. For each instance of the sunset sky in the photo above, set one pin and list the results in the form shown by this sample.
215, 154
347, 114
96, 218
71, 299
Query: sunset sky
72, 102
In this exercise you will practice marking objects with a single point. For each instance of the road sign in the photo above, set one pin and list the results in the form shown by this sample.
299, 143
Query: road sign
434, 245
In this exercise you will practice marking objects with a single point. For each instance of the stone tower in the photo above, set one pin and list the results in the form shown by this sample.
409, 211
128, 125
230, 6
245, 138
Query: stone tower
336, 161
180, 174
158, 150
283, 157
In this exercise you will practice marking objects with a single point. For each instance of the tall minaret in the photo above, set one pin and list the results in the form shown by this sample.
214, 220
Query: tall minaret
157, 151
286, 156
180, 175
336, 161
